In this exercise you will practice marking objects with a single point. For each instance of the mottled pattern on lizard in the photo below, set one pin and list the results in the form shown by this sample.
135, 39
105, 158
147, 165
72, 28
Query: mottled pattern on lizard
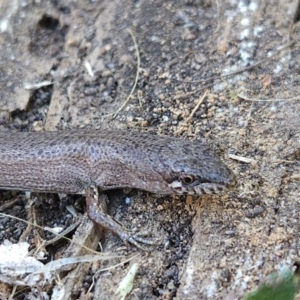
74, 161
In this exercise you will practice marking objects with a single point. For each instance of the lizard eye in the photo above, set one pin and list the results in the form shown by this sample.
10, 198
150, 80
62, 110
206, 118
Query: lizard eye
187, 179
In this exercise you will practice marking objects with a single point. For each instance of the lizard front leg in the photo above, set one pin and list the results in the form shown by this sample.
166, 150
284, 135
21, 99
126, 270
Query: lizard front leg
98, 215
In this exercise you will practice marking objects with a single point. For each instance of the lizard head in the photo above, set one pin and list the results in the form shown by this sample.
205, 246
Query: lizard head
193, 169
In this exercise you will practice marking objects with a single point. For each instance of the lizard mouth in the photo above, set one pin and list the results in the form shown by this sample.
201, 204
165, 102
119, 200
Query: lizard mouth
201, 189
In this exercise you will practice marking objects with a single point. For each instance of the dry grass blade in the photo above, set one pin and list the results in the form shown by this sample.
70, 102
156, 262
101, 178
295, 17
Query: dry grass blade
136, 76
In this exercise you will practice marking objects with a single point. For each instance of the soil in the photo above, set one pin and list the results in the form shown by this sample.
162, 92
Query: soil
72, 64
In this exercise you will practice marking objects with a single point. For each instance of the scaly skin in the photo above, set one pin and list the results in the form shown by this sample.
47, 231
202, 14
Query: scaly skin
74, 161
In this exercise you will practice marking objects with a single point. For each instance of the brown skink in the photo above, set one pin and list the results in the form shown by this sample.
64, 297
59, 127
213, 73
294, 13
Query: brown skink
79, 162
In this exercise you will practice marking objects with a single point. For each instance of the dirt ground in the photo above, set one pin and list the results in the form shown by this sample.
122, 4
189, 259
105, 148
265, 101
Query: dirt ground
72, 64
